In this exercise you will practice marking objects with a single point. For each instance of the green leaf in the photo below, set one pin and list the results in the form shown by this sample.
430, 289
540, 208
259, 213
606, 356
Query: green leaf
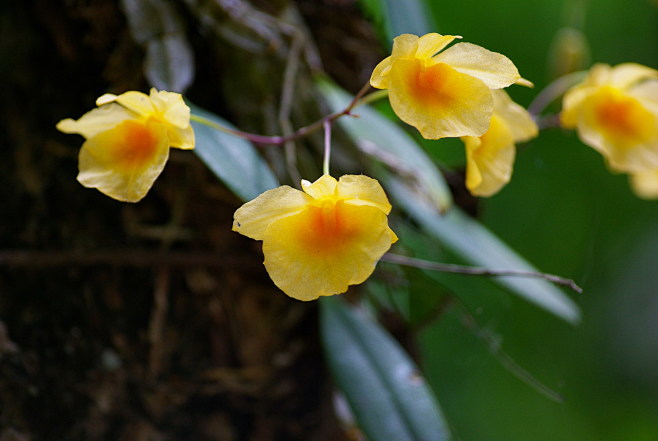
235, 161
476, 245
407, 17
156, 25
384, 140
388, 396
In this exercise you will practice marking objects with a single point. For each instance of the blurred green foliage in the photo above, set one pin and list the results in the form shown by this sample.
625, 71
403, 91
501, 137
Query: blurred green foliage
567, 215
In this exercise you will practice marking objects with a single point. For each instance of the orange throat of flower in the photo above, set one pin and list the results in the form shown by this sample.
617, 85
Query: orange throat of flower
330, 227
622, 117
137, 143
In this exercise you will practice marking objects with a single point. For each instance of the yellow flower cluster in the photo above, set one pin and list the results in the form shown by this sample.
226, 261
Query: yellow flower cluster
615, 111
127, 141
456, 93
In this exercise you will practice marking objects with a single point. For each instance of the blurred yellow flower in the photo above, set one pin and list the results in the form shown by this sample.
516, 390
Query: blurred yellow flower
490, 157
127, 141
615, 111
443, 93
319, 241
645, 183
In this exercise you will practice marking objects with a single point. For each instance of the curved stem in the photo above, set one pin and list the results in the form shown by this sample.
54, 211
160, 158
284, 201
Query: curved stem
280, 140
553, 91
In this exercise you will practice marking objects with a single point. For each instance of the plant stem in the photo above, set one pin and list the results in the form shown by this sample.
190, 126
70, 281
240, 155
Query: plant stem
327, 147
303, 131
475, 271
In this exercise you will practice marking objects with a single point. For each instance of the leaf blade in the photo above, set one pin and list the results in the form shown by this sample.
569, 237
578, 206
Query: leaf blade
235, 161
388, 397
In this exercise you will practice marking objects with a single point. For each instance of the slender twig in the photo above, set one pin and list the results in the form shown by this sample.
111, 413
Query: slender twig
327, 147
279, 140
475, 271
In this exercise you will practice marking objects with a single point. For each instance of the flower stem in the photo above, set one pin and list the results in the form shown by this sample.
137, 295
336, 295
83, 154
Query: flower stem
554, 90
358, 99
327, 147
475, 271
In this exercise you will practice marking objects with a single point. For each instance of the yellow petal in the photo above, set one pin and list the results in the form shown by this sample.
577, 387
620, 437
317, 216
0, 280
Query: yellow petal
518, 120
439, 101
181, 138
645, 183
323, 250
363, 190
253, 218
572, 105
324, 187
138, 102
379, 77
494, 69
627, 74
405, 45
95, 121
431, 44
490, 159
172, 107
123, 162
620, 127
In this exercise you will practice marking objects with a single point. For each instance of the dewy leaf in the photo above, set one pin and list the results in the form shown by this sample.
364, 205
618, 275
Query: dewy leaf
156, 25
387, 394
478, 246
235, 161
384, 140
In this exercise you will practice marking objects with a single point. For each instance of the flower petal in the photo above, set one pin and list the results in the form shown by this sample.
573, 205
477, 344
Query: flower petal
518, 120
627, 74
431, 44
645, 183
379, 77
123, 162
172, 107
324, 187
363, 190
439, 101
307, 262
95, 121
496, 70
490, 159
621, 128
405, 45
137, 102
253, 218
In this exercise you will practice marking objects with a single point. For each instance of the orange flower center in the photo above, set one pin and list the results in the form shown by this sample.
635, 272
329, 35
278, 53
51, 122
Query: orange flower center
622, 116
138, 144
431, 84
329, 227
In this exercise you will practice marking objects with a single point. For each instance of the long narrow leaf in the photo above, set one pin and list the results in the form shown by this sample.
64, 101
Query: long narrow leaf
388, 397
233, 160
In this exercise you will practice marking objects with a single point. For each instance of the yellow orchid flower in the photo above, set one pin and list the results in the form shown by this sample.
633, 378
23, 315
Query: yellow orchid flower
319, 241
615, 111
645, 183
127, 141
490, 157
443, 93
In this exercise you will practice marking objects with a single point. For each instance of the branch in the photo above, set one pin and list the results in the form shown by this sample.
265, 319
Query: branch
475, 271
